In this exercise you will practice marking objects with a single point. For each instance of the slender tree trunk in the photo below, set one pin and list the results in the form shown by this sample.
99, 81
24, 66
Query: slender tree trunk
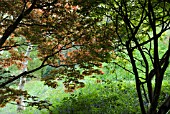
130, 53
20, 103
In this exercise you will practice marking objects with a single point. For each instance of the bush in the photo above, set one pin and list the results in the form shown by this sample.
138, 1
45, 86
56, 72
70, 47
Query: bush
114, 98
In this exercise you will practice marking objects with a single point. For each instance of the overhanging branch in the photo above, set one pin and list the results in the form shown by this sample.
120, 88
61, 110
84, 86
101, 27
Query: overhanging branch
12, 27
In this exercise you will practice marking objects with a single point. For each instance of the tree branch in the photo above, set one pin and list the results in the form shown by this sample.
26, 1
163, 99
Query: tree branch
12, 27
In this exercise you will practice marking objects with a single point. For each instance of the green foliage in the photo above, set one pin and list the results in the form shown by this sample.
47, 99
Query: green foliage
114, 98
165, 90
106, 97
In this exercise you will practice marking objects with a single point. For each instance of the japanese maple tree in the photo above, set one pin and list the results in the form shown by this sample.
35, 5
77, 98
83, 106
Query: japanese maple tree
63, 38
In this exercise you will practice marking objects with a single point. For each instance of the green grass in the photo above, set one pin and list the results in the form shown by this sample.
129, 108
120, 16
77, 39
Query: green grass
93, 98
37, 88
109, 97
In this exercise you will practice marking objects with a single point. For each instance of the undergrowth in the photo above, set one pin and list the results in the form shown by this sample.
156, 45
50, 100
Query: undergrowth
104, 97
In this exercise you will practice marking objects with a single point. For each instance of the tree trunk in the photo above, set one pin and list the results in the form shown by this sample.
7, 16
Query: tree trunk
20, 102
